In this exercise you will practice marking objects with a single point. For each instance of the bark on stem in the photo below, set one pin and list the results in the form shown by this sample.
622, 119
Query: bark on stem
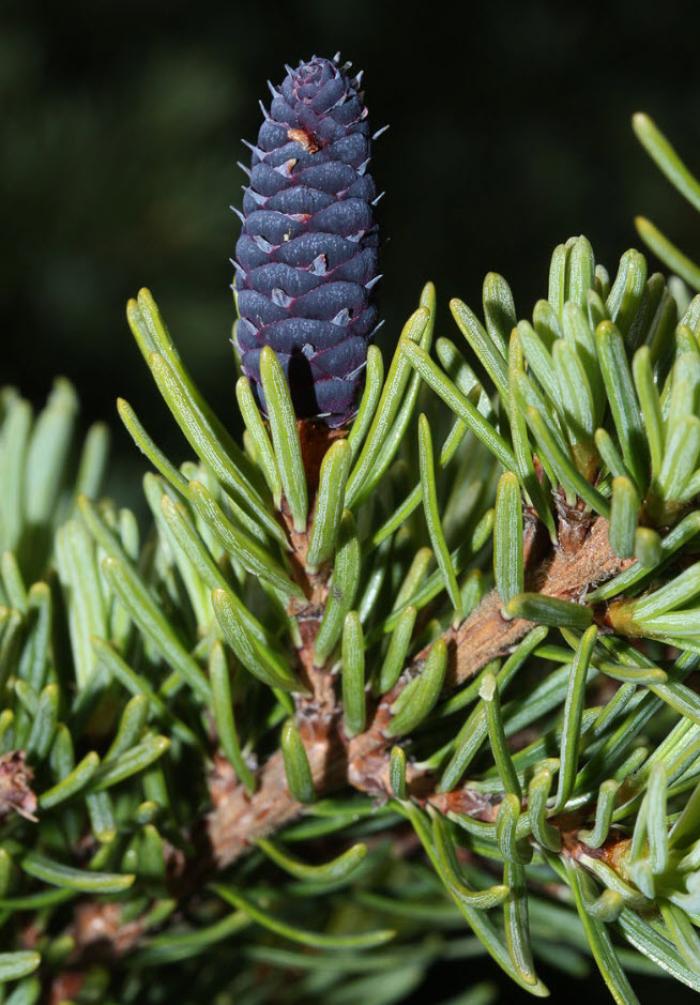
362, 762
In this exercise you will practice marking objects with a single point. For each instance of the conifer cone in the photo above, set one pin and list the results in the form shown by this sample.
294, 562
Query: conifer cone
306, 259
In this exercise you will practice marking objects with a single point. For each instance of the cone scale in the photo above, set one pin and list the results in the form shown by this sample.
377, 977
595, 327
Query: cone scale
306, 258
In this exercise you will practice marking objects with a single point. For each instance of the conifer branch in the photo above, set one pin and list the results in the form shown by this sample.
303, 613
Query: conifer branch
451, 655
363, 761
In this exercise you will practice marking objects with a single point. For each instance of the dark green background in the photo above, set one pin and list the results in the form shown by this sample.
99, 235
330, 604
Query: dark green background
121, 129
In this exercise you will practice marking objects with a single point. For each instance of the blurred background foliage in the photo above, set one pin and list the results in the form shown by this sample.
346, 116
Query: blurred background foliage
122, 125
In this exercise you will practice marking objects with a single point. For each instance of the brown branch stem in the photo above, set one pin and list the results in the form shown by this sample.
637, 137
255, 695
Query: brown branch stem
362, 762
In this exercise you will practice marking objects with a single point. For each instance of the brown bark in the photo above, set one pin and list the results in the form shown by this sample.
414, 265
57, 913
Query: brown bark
362, 762
16, 794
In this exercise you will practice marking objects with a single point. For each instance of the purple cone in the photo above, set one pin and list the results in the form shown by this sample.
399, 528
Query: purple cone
306, 260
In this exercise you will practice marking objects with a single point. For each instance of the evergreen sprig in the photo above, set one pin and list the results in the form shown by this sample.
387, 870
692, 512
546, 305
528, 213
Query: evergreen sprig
683, 180
360, 701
